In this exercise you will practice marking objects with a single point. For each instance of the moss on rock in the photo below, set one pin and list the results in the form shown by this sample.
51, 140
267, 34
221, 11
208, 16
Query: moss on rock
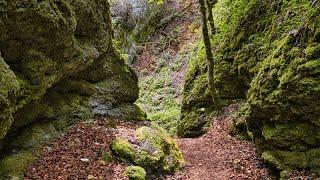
194, 123
152, 149
8, 90
268, 54
22, 148
58, 65
14, 165
196, 97
127, 112
135, 173
123, 149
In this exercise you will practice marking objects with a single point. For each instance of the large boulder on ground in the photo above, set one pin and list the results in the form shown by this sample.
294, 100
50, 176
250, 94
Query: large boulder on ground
58, 63
151, 148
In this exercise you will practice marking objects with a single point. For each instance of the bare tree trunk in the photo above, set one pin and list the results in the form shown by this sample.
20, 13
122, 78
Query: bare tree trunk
210, 60
210, 4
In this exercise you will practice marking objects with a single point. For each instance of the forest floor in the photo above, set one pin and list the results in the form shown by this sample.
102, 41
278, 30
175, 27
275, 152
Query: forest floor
218, 156
84, 151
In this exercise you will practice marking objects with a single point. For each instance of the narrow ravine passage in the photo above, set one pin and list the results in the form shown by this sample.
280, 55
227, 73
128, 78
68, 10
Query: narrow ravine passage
162, 63
81, 152
215, 155
144, 90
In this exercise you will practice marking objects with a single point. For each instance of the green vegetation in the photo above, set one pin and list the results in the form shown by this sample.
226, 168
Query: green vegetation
107, 156
159, 98
196, 98
268, 55
58, 65
135, 173
13, 166
153, 150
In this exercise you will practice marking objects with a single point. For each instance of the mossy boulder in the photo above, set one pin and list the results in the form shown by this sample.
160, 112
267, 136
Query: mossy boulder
8, 90
197, 104
11, 166
50, 48
135, 173
151, 148
283, 103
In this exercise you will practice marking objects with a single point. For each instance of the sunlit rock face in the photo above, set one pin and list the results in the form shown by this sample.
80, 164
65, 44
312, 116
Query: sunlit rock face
58, 65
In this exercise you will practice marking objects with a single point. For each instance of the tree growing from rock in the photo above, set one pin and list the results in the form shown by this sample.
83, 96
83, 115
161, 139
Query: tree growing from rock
204, 8
210, 4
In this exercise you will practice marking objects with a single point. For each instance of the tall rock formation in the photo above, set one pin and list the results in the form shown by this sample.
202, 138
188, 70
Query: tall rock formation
268, 55
58, 65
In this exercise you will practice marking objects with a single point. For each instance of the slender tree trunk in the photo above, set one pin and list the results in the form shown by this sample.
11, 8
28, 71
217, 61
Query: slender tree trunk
210, 4
210, 60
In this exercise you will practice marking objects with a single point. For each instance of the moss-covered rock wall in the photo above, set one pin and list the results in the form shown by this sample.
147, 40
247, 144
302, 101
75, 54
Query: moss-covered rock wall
58, 64
267, 54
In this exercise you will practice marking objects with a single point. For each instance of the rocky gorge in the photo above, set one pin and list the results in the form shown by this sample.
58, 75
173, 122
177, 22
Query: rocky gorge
74, 75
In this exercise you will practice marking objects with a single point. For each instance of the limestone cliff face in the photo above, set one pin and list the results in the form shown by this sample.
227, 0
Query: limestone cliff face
58, 64
267, 55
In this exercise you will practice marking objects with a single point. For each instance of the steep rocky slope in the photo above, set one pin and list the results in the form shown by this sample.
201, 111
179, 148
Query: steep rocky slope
57, 66
135, 21
267, 54
161, 63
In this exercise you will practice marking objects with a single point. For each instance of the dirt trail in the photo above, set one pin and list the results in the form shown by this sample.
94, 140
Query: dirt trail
218, 156
78, 154
82, 151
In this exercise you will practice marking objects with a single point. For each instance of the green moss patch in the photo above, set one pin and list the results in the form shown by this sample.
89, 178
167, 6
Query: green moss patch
135, 173
152, 149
